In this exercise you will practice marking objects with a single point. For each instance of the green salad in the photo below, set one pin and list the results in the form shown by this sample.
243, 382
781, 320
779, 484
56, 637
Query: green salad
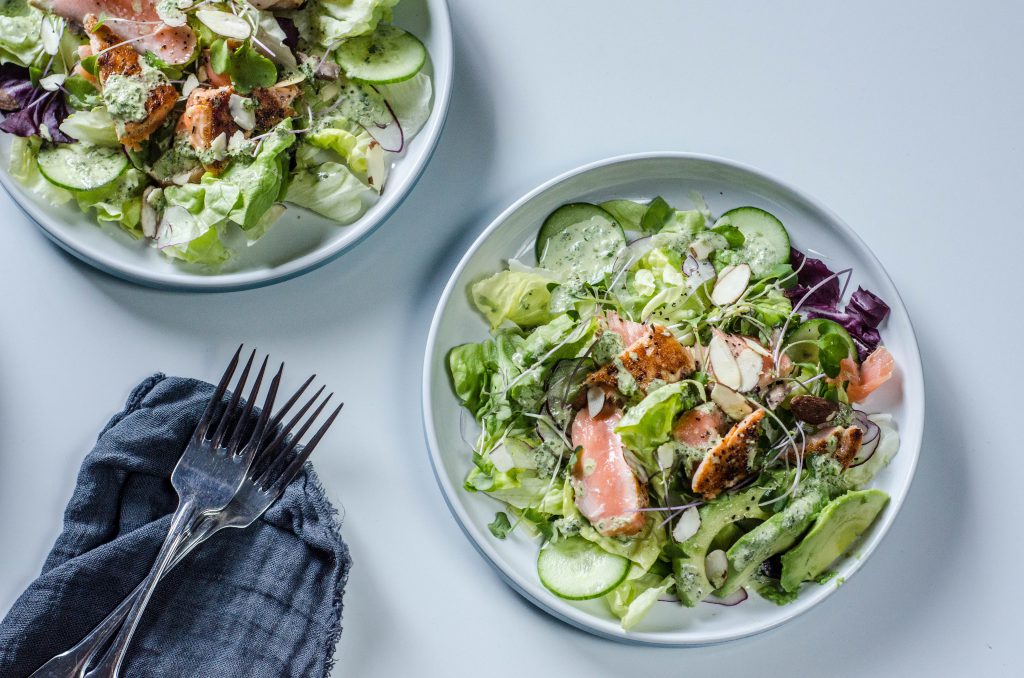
670, 403
194, 124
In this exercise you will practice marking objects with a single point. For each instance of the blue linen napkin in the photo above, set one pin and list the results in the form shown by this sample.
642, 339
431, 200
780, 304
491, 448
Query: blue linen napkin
261, 602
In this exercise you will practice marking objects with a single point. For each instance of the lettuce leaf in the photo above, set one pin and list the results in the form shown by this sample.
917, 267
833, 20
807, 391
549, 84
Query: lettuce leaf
334, 20
120, 203
24, 168
94, 126
20, 41
631, 600
260, 182
518, 296
330, 189
648, 424
410, 100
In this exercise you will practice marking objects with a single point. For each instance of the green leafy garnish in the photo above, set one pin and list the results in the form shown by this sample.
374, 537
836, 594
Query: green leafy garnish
501, 525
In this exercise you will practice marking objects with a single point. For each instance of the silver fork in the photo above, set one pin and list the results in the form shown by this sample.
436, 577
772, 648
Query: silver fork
272, 470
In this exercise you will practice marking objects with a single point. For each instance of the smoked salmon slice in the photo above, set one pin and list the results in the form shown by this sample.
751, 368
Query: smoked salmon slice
862, 380
606, 490
130, 20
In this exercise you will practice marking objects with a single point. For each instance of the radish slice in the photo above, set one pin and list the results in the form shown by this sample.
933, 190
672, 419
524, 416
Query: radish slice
390, 136
734, 598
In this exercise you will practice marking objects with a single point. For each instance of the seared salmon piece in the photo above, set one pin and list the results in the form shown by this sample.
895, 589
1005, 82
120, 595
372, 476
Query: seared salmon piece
207, 116
627, 330
118, 59
701, 427
606, 490
842, 443
729, 462
273, 104
134, 20
656, 354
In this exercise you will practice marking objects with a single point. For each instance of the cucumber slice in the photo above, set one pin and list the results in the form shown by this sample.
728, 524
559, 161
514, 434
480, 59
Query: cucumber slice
387, 55
78, 167
580, 240
823, 342
766, 242
577, 569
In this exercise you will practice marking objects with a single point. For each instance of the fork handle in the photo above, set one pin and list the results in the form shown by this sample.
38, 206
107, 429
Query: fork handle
110, 665
73, 662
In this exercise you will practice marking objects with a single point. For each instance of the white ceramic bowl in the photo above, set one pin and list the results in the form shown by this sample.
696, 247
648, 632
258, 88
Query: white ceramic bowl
300, 241
724, 184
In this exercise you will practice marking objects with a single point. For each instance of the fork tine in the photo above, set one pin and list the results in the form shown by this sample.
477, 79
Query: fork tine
234, 444
227, 418
276, 421
218, 394
283, 433
267, 409
296, 464
280, 440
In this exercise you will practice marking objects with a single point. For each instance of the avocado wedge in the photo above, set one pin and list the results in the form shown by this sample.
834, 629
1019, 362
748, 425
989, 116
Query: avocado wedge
838, 525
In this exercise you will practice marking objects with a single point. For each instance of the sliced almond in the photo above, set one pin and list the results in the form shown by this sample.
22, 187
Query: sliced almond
723, 364
376, 166
688, 524
732, 403
225, 23
732, 283
755, 345
750, 365
716, 564
243, 111
595, 401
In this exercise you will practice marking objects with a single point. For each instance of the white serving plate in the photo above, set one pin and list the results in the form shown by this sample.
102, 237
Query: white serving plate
724, 184
300, 241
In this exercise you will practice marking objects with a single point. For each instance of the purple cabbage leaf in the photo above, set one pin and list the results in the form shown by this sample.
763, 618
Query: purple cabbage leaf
28, 108
862, 315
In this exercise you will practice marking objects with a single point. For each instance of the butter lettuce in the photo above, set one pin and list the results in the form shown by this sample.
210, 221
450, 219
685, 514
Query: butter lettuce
261, 182
24, 168
633, 598
410, 100
521, 297
94, 126
119, 203
649, 423
330, 189
334, 20
20, 40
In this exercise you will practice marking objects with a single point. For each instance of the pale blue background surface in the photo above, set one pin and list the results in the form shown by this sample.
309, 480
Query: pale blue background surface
905, 118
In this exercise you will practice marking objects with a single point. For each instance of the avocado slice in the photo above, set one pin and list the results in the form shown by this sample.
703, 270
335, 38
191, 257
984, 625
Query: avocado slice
692, 584
838, 525
774, 535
